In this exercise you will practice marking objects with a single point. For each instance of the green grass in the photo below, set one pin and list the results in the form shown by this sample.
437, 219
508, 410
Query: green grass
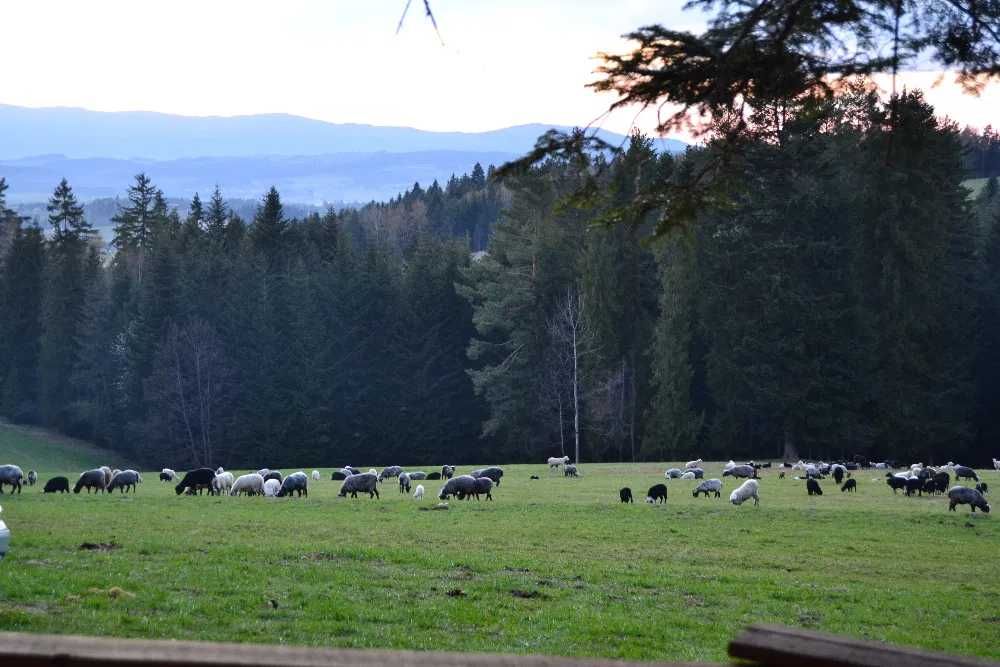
44, 451
673, 582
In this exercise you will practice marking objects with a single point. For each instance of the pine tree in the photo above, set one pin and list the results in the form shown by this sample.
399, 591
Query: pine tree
21, 324
136, 223
66, 216
269, 227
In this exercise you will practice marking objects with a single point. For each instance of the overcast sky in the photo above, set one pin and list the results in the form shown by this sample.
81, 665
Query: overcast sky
503, 62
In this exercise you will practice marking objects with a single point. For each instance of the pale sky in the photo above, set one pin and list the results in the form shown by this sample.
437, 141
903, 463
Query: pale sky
504, 62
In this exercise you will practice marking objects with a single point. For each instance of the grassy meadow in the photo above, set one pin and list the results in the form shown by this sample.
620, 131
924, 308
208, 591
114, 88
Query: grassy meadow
553, 566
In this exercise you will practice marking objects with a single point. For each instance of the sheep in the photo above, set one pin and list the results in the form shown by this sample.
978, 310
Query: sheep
196, 480
338, 475
297, 482
447, 472
123, 480
404, 482
555, 462
881, 465
941, 481
965, 472
657, 493
434, 476
371, 471
983, 488
32, 477
461, 487
417, 475
390, 471
914, 484
730, 465
219, 470
108, 474
56, 484
692, 464
315, 475
838, 471
811, 470
168, 475
740, 471
962, 495
850, 485
364, 483
996, 464
672, 473
708, 486
91, 479
263, 472
813, 487
484, 485
274, 474
744, 492
252, 484
895, 483
11, 474
699, 473
223, 483
492, 472
687, 474
418, 494
271, 487
781, 475
625, 494
569, 470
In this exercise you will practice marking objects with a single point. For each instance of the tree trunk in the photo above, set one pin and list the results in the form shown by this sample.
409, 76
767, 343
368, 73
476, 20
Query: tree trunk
576, 397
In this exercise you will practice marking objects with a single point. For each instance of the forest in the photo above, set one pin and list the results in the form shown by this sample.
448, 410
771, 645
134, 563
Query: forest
836, 294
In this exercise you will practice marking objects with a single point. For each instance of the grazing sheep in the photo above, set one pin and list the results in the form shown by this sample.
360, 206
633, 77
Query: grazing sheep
692, 464
965, 472
781, 475
11, 474
124, 480
223, 483
849, 485
274, 474
657, 493
687, 474
962, 495
370, 470
404, 482
363, 483
219, 470
708, 486
338, 475
390, 471
626, 495
813, 487
569, 470
914, 484
447, 472
895, 483
108, 474
996, 464
418, 494
56, 484
417, 475
252, 484
461, 487
730, 465
493, 472
484, 485
434, 476
740, 471
555, 462
167, 475
196, 480
941, 481
32, 477
263, 472
983, 488
315, 475
744, 492
811, 470
838, 471
673, 473
699, 473
91, 479
271, 487
297, 482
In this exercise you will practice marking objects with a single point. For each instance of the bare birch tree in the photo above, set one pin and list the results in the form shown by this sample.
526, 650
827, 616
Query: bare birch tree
573, 339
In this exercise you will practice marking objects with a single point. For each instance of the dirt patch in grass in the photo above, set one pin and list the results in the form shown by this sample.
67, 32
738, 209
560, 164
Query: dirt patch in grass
518, 593
99, 546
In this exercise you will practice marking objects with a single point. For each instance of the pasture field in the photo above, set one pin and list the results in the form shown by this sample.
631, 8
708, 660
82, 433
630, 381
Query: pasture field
552, 566
42, 450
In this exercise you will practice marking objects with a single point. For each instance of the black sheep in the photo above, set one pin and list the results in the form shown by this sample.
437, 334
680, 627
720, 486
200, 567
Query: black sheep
56, 484
626, 495
813, 488
433, 475
983, 488
484, 485
493, 472
166, 477
196, 480
838, 474
338, 476
850, 485
914, 484
929, 486
274, 474
657, 493
894, 482
965, 472
942, 481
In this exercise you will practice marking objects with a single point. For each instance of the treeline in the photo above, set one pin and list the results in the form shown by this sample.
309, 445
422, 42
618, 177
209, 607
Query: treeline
838, 294
982, 152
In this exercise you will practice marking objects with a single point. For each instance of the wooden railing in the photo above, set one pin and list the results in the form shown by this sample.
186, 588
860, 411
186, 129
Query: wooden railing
764, 646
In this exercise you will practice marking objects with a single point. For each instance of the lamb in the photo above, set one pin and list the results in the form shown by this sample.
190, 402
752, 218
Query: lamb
271, 487
570, 471
32, 477
813, 487
91, 479
315, 475
56, 484
740, 471
708, 486
391, 471
11, 474
223, 483
687, 474
555, 462
252, 484
419, 493
657, 493
124, 480
962, 495
492, 472
744, 492
196, 480
404, 483
850, 485
983, 488
965, 472
167, 475
297, 482
692, 464
699, 473
447, 472
417, 475
461, 487
626, 495
484, 485
672, 473
363, 483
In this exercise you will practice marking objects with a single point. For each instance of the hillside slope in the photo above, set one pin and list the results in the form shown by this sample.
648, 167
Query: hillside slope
47, 452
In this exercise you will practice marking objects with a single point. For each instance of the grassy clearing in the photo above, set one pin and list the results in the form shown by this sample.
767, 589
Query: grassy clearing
41, 450
553, 566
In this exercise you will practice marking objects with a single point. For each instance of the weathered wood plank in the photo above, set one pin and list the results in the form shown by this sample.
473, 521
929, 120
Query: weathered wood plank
31, 650
776, 646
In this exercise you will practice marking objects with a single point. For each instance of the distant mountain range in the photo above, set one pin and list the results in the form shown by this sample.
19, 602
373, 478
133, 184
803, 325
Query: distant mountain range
310, 161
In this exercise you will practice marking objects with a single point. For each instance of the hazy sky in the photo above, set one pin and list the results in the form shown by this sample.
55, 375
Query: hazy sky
504, 62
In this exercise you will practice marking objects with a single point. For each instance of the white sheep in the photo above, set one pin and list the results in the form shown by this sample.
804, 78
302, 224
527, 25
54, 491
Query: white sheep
251, 484
996, 464
271, 487
688, 475
881, 465
419, 493
372, 471
744, 492
556, 461
730, 465
223, 482
315, 475
693, 464
219, 470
